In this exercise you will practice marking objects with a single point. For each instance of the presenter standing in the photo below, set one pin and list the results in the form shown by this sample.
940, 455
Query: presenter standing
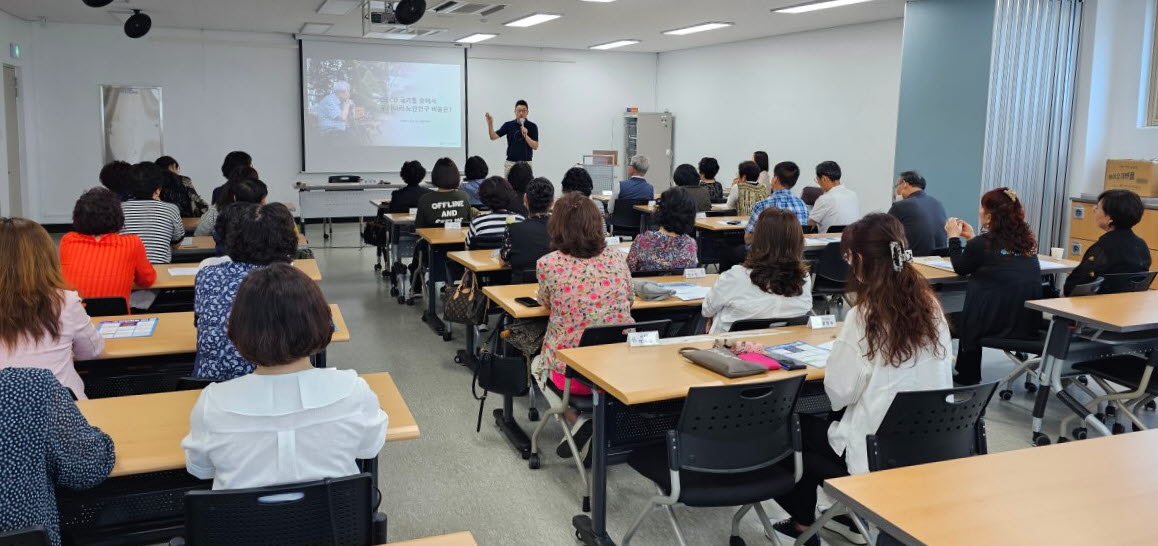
522, 136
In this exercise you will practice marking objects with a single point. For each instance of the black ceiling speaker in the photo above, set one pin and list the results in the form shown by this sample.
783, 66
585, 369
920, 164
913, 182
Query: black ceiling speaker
138, 24
97, 3
409, 12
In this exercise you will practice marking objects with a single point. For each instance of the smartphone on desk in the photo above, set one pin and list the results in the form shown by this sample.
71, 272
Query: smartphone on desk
528, 302
786, 362
733, 222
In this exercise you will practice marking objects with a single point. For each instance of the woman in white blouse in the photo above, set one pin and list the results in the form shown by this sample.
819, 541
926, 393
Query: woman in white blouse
772, 283
895, 339
287, 422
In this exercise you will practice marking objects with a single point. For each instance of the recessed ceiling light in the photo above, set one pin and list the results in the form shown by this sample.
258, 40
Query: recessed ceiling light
338, 7
814, 6
615, 44
475, 38
315, 28
697, 28
534, 19
603, 1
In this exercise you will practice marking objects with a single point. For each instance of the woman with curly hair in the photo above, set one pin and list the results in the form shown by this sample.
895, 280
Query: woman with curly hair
96, 260
1003, 274
773, 281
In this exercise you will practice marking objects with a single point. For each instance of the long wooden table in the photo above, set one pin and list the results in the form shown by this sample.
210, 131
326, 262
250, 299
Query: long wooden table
204, 243
639, 375
147, 429
176, 333
166, 278
487, 261
504, 296
938, 275
464, 538
1030, 496
441, 241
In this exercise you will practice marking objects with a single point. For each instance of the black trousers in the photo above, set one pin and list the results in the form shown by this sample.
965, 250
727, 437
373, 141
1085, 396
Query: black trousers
820, 463
968, 366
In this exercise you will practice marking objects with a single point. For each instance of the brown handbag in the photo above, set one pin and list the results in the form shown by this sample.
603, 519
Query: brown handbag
467, 304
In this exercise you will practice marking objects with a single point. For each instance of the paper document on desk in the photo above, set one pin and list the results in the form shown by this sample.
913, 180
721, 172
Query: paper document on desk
947, 265
800, 351
183, 271
188, 241
687, 291
116, 329
824, 240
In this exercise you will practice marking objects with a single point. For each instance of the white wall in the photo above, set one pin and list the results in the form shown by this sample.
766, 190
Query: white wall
226, 91
576, 97
1111, 99
13, 30
809, 97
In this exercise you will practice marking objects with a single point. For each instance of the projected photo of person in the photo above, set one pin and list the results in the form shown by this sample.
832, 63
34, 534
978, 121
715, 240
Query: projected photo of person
376, 103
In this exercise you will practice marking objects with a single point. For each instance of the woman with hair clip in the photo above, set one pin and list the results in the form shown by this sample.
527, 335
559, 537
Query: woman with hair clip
773, 282
1003, 274
895, 339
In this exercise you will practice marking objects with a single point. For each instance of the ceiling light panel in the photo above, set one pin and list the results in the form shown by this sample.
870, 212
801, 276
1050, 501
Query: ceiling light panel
816, 6
702, 27
533, 19
615, 44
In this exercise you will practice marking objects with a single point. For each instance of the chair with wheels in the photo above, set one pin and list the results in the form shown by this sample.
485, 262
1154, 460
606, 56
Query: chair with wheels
32, 536
561, 399
329, 511
1118, 283
726, 450
761, 324
831, 276
624, 220
922, 427
105, 307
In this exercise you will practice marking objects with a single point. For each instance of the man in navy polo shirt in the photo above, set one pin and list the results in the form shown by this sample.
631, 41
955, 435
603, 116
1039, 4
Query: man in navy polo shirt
522, 136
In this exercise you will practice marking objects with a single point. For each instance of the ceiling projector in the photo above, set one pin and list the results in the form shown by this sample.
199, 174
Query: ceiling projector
405, 12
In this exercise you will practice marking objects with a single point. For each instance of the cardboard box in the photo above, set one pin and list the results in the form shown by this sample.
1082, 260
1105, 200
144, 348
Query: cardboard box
1140, 177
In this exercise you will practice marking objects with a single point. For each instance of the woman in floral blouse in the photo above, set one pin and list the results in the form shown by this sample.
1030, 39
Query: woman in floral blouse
582, 283
670, 247
259, 235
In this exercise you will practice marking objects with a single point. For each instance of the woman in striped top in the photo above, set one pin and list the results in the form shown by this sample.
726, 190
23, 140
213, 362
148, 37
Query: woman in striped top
97, 261
157, 223
497, 195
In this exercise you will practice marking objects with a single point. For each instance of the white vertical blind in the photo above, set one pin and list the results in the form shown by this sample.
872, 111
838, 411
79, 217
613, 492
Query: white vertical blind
1031, 97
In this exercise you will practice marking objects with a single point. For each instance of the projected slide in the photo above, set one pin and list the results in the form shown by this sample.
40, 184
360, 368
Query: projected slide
362, 103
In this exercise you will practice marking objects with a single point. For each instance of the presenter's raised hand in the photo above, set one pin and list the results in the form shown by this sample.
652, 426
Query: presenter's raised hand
490, 120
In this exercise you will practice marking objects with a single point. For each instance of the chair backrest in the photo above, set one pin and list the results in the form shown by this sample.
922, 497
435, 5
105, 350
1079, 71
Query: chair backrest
1118, 283
832, 265
330, 511
625, 216
760, 324
749, 195
810, 194
1087, 289
929, 426
606, 334
835, 229
489, 242
194, 383
808, 230
737, 428
103, 307
32, 536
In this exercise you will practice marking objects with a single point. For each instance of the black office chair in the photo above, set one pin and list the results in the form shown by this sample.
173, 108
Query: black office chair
810, 194
329, 511
592, 335
1118, 283
725, 451
624, 220
831, 276
923, 427
194, 383
835, 229
660, 273
810, 230
760, 324
105, 307
32, 536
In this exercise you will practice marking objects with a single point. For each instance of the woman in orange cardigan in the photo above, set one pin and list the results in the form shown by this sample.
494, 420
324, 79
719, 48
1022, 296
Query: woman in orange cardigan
97, 261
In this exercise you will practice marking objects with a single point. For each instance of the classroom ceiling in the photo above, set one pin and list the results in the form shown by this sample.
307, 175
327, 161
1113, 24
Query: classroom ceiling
584, 23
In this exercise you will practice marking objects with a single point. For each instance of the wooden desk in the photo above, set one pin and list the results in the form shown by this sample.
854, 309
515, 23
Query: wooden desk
485, 261
1130, 312
165, 278
443, 236
454, 539
601, 198
190, 223
400, 217
177, 334
720, 223
505, 297
1029, 496
938, 275
147, 429
638, 375
205, 243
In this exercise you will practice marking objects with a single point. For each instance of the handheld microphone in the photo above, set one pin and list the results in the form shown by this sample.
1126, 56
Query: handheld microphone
520, 120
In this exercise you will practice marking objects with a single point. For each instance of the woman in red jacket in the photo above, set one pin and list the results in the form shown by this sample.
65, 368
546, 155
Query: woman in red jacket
97, 261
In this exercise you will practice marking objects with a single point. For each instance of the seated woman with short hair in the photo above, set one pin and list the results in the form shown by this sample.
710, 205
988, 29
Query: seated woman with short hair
1119, 250
527, 241
669, 247
287, 422
96, 260
261, 235
498, 197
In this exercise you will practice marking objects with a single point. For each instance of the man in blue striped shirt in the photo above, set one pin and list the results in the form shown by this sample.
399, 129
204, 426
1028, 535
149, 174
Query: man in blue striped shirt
784, 178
